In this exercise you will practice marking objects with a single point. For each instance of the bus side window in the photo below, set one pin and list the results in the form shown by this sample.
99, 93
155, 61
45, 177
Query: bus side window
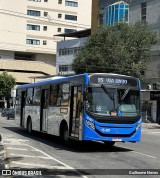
63, 94
37, 96
53, 95
29, 97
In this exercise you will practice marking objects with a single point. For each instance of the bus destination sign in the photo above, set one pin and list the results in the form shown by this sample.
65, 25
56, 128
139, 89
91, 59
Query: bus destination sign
113, 80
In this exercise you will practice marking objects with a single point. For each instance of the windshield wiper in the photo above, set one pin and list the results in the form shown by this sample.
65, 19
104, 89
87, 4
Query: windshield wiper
125, 94
105, 90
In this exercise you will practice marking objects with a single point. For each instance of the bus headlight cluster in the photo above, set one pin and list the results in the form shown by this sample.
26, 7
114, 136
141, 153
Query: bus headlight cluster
90, 124
138, 126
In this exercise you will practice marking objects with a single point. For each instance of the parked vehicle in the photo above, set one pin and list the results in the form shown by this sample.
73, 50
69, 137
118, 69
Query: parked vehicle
10, 113
4, 111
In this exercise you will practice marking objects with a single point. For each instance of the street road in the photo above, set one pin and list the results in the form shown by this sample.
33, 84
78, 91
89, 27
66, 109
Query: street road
44, 151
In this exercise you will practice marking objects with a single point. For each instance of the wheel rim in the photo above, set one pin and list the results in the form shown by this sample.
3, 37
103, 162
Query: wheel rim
66, 135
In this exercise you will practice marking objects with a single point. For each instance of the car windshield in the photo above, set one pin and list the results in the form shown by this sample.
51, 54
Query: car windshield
112, 102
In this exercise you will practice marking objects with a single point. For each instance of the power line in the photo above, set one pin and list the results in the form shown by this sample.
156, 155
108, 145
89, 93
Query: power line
44, 19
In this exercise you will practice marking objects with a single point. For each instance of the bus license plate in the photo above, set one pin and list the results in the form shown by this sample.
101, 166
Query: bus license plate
117, 139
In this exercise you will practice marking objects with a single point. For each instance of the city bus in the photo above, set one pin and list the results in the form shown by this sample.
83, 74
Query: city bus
95, 107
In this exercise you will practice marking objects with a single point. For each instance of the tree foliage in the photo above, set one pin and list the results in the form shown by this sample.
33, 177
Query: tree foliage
7, 82
123, 49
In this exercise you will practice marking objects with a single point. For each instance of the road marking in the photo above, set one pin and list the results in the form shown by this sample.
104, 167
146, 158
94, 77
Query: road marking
15, 140
37, 165
144, 154
155, 132
49, 156
11, 148
29, 156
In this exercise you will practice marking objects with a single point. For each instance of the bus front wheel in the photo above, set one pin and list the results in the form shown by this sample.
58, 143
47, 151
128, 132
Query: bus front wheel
109, 144
29, 126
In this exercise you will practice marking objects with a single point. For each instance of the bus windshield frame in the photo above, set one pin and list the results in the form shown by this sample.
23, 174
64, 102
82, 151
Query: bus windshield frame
113, 101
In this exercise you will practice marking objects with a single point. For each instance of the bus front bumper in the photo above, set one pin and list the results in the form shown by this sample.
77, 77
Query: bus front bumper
113, 132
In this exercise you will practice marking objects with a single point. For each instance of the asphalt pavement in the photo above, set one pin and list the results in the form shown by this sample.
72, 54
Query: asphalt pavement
149, 126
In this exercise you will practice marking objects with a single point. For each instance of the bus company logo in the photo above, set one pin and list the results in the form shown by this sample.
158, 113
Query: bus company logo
6, 173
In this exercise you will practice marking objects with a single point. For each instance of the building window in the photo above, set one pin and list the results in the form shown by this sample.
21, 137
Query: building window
44, 42
59, 15
59, 30
67, 30
33, 27
71, 17
33, 13
115, 13
59, 1
101, 19
33, 42
45, 14
44, 28
69, 51
71, 3
143, 11
65, 68
45, 0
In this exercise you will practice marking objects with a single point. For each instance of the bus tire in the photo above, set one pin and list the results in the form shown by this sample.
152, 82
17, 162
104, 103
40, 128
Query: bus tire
64, 133
29, 126
109, 144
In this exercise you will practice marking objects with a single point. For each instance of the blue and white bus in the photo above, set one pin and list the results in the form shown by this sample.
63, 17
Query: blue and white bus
99, 107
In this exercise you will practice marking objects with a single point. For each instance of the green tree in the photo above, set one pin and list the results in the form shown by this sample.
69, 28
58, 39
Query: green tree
123, 49
7, 82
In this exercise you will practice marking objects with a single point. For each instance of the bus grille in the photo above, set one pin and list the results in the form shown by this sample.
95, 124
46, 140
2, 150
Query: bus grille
115, 135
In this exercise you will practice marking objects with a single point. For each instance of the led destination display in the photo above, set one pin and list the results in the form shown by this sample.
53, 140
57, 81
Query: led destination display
113, 80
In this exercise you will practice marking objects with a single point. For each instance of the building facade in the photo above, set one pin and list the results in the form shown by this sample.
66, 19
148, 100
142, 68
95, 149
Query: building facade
148, 10
27, 42
66, 52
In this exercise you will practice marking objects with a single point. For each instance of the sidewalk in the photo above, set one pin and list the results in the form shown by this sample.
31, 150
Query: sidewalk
150, 125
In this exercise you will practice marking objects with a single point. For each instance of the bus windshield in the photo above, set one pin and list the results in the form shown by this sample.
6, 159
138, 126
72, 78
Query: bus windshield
113, 102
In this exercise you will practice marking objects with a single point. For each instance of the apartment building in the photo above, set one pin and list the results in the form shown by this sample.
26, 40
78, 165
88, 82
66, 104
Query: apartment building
27, 42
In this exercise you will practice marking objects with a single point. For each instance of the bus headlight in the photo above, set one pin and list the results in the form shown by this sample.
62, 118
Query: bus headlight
138, 126
90, 124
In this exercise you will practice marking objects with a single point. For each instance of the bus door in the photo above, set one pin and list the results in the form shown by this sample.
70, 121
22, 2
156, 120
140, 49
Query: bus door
44, 109
22, 111
75, 111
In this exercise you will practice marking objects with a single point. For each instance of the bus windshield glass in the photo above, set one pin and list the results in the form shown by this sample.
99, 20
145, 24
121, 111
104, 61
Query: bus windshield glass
113, 102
